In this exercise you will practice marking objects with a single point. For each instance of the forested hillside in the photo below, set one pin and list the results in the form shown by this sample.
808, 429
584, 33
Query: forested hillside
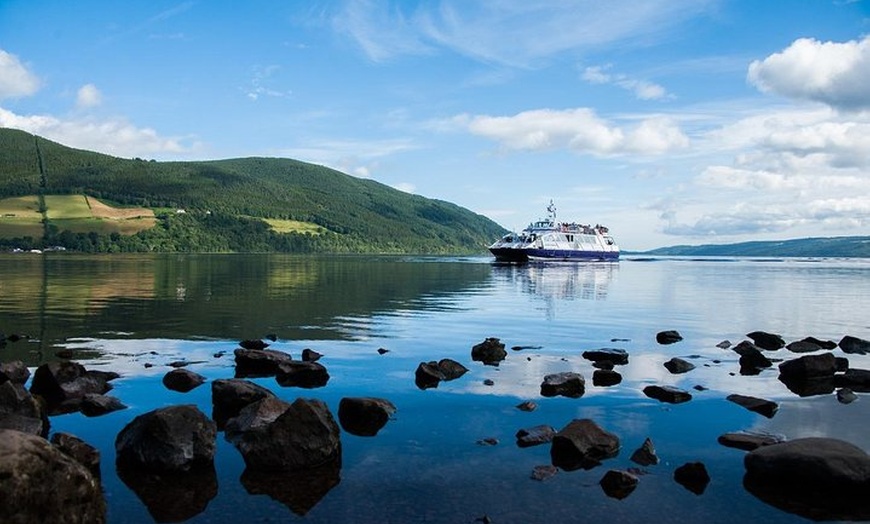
225, 205
801, 247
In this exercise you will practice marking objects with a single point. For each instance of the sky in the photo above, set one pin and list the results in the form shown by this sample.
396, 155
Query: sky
670, 121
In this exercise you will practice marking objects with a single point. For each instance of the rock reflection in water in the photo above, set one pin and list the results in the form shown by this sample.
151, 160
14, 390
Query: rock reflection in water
172, 497
298, 490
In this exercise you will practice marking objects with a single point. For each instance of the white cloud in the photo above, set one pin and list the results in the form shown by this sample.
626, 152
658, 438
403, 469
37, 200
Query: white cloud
15, 79
88, 96
578, 129
837, 74
641, 89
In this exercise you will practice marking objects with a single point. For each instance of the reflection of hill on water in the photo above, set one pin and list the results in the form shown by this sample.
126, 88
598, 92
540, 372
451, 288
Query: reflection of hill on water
563, 280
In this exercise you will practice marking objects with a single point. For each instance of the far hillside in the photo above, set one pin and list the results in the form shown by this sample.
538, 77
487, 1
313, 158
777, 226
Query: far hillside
830, 247
53, 195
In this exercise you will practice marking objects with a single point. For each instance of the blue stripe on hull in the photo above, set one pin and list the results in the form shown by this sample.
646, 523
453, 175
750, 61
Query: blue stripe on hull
523, 255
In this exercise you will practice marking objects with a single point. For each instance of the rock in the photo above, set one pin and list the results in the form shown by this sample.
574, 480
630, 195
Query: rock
582, 444
76, 448
752, 360
229, 396
429, 374
543, 472
693, 476
565, 384
382, 351
14, 371
809, 374
818, 478
744, 347
172, 496
768, 341
824, 344
491, 351
699, 387
677, 365
803, 346
618, 484
668, 337
645, 455
364, 416
42, 484
725, 344
616, 356
253, 344
170, 439
259, 362
527, 406
93, 405
488, 441
604, 365
20, 411
488, 382
450, 369
535, 436
309, 355
308, 435
669, 394
182, 380
854, 379
854, 345
65, 353
761, 406
748, 441
59, 382
846, 396
605, 378
300, 374
299, 490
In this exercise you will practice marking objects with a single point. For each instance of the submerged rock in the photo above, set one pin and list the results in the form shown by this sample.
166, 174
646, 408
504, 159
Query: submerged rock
618, 484
535, 436
544, 472
527, 406
364, 416
768, 341
693, 476
491, 351
582, 444
669, 394
749, 441
761, 406
846, 396
668, 337
170, 439
677, 365
565, 384
98, 405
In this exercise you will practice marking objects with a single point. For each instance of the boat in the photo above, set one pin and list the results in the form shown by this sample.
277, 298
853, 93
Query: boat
548, 239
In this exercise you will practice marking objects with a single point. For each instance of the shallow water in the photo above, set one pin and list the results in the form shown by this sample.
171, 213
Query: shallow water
121, 313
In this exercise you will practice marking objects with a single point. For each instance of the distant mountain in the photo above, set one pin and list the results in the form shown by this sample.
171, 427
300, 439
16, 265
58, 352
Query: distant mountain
835, 247
244, 204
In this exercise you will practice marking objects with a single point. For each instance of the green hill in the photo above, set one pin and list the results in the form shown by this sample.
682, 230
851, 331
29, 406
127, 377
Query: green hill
835, 247
245, 204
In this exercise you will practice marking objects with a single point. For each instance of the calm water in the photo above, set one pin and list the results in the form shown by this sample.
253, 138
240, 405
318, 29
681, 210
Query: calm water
121, 313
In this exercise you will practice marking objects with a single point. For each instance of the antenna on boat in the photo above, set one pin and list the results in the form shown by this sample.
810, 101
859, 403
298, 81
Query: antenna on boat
551, 209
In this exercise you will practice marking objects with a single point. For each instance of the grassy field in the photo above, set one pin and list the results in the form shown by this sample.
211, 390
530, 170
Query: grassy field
20, 216
294, 226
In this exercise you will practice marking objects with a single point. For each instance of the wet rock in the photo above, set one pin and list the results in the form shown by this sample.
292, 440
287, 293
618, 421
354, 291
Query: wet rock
752, 360
668, 337
604, 365
488, 441
854, 345
582, 444
803, 346
824, 344
259, 362
308, 434
677, 365
808, 367
93, 405
19, 410
846, 396
76, 448
253, 344
544, 472
527, 406
172, 496
616, 356
229, 396
749, 441
605, 378
299, 490
65, 353
768, 341
491, 351
488, 382
618, 484
451, 369
42, 484
725, 344
309, 355
854, 379
59, 382
817, 478
170, 439
669, 394
761, 406
535, 436
300, 374
182, 380
429, 374
382, 351
745, 346
693, 476
645, 455
14, 371
364, 416
565, 384
699, 387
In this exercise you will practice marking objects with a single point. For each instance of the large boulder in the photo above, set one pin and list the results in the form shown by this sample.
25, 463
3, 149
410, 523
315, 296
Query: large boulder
430, 374
93, 405
273, 435
67, 382
182, 380
855, 379
645, 455
14, 371
582, 444
565, 384
364, 416
19, 410
615, 356
170, 439
618, 484
854, 345
810, 374
76, 448
818, 478
302, 374
259, 362
768, 341
229, 396
491, 351
42, 484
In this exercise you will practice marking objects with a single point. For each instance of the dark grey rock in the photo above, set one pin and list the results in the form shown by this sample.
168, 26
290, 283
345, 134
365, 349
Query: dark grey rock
491, 351
824, 344
693, 476
669, 394
854, 345
582, 444
93, 405
19, 410
677, 365
846, 396
725, 344
309, 355
761, 406
854, 379
668, 337
229, 396
301, 374
535, 436
527, 406
618, 484
253, 344
87, 455
768, 341
544, 472
59, 382
565, 384
616, 356
645, 455
14, 371
749, 441
451, 369
752, 360
259, 362
364, 416
42, 484
170, 439
803, 346
808, 367
605, 378
429, 374
182, 380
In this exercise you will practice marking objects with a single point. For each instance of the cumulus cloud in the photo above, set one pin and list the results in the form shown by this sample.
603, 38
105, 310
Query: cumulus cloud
88, 96
16, 80
641, 89
834, 73
578, 129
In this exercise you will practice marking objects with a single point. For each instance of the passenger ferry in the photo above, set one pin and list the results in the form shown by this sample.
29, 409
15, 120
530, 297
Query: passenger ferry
547, 239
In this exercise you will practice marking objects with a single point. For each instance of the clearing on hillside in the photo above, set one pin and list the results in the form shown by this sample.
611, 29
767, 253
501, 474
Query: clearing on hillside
20, 217
294, 226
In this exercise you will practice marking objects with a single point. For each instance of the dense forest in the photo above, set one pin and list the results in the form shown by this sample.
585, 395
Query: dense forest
801, 247
226, 206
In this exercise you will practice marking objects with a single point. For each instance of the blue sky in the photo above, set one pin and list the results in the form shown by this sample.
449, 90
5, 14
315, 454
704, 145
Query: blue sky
671, 121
